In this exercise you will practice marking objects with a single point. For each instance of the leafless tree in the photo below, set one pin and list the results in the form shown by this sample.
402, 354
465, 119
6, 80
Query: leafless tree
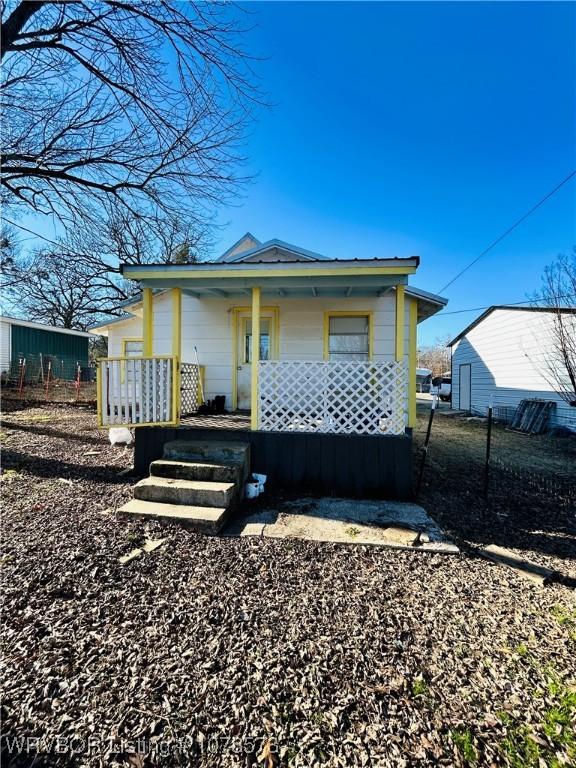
57, 291
435, 356
79, 284
558, 292
135, 106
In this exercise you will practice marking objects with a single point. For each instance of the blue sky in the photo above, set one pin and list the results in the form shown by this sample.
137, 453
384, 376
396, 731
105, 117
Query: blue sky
417, 128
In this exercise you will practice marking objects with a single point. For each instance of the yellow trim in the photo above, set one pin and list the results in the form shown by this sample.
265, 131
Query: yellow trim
274, 311
124, 354
147, 321
412, 363
177, 322
201, 382
140, 357
343, 313
176, 351
135, 274
256, 295
234, 360
129, 338
400, 320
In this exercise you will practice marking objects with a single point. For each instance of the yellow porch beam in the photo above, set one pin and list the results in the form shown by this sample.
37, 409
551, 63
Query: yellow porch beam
177, 322
412, 363
400, 330
176, 350
136, 273
256, 293
147, 322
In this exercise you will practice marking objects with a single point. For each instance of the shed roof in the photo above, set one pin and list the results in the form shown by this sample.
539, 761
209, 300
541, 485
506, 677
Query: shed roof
484, 315
43, 326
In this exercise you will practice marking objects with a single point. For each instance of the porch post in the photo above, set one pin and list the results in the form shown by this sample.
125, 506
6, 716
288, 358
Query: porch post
412, 363
255, 358
176, 350
400, 323
147, 322
176, 322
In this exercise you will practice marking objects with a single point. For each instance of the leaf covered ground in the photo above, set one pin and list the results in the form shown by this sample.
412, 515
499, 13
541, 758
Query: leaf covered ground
238, 652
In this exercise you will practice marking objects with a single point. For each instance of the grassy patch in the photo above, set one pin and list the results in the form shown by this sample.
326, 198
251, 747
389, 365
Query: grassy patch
352, 531
521, 650
464, 742
563, 616
10, 474
134, 537
419, 687
552, 742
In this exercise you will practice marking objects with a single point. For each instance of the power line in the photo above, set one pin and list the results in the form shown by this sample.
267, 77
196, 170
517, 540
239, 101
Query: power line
36, 234
510, 229
506, 304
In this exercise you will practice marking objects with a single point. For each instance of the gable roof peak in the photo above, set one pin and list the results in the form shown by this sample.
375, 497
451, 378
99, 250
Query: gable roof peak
246, 243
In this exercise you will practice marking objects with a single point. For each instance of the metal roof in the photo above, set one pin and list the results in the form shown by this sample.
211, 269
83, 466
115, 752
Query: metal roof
484, 315
95, 329
43, 326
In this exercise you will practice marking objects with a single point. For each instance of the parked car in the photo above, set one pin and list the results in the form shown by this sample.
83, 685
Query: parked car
442, 386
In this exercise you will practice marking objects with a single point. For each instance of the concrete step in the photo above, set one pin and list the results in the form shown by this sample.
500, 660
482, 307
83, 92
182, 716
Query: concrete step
199, 493
210, 452
194, 470
208, 520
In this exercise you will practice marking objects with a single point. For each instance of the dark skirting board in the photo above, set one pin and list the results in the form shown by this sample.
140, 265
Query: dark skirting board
360, 466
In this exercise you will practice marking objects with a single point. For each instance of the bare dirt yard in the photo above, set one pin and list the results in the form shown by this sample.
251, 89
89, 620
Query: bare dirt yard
247, 651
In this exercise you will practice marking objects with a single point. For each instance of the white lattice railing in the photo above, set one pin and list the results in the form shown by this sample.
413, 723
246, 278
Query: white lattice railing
191, 377
137, 390
341, 397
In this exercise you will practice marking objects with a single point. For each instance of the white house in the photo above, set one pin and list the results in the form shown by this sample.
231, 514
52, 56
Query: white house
306, 344
506, 354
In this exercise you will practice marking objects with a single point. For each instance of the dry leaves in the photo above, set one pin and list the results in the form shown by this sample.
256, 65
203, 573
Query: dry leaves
245, 652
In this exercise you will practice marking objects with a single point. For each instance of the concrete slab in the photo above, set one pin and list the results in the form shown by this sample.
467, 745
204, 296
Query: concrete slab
529, 570
396, 525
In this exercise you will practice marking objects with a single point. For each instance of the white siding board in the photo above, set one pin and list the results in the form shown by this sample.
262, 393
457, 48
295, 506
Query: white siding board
127, 329
5, 345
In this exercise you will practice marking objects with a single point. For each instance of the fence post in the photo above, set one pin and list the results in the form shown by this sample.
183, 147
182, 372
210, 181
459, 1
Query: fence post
22, 376
77, 381
426, 442
48, 378
488, 446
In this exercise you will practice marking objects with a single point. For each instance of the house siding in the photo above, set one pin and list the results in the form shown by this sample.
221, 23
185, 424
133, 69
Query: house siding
207, 325
507, 355
127, 329
5, 346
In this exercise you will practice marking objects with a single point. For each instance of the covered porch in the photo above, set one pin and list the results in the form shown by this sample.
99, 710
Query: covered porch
359, 378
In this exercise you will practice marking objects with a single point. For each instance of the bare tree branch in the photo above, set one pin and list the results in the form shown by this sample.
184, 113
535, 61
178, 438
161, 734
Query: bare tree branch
142, 105
558, 292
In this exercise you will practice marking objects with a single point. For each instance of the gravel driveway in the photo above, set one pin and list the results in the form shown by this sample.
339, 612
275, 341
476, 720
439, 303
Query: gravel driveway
243, 651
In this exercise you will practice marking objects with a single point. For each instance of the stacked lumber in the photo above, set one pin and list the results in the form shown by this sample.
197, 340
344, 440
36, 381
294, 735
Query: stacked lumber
532, 416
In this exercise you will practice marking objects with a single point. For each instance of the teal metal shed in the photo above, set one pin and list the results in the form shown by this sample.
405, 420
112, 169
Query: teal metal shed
25, 339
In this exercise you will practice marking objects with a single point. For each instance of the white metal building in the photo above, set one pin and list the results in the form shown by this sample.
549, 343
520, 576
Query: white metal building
506, 353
